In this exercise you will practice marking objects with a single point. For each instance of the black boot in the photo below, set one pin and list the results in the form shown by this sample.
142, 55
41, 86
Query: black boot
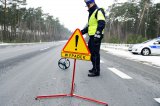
94, 74
91, 71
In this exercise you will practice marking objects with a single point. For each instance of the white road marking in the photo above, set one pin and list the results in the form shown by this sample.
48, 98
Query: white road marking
120, 74
101, 61
157, 99
44, 48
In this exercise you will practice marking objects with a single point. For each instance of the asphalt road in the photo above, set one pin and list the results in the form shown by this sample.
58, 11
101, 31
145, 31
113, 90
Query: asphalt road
30, 71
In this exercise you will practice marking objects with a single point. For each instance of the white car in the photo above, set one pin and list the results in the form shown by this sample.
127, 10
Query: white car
150, 47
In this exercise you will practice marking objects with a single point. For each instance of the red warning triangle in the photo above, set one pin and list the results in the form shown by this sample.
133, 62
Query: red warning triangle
76, 45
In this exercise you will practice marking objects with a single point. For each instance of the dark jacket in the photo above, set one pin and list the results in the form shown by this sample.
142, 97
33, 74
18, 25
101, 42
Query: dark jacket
101, 23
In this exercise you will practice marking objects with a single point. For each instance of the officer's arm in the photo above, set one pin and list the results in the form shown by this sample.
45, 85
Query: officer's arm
85, 30
101, 21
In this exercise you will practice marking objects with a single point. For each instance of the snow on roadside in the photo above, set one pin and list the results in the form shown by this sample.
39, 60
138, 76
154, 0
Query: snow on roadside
3, 43
149, 60
19, 44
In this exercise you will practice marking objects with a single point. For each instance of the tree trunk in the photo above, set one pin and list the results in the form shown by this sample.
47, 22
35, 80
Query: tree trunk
4, 32
158, 28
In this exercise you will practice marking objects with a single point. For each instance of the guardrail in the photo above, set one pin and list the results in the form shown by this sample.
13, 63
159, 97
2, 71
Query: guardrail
116, 46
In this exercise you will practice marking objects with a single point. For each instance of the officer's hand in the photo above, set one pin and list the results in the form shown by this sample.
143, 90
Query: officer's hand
97, 37
83, 32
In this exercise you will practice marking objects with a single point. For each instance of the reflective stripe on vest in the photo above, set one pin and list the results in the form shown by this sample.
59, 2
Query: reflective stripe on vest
93, 22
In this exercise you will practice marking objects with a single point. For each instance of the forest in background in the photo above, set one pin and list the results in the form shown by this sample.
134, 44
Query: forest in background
132, 22
18, 24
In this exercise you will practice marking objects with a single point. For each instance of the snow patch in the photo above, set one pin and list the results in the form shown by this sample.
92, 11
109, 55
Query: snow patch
122, 52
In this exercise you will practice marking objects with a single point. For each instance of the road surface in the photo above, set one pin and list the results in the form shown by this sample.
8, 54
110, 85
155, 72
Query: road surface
31, 70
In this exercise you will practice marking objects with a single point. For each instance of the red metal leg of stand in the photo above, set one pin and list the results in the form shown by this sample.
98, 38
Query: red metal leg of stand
62, 95
73, 76
51, 96
72, 89
90, 99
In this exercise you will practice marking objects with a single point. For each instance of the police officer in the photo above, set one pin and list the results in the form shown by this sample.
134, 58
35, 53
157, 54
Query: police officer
95, 30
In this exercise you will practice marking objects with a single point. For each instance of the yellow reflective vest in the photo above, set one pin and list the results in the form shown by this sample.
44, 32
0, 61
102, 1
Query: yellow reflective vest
93, 22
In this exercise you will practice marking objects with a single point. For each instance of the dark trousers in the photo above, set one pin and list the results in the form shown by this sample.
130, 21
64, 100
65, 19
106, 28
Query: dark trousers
95, 54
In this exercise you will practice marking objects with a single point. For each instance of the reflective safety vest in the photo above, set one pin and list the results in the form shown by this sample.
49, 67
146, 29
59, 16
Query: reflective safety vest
93, 22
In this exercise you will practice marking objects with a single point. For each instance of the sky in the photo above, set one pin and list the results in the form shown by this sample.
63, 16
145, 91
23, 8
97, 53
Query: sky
72, 14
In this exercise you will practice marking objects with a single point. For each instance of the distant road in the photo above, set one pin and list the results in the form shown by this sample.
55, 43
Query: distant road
31, 70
